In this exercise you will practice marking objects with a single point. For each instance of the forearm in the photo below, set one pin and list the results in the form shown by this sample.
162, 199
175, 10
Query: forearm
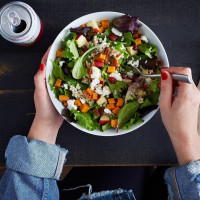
42, 130
187, 149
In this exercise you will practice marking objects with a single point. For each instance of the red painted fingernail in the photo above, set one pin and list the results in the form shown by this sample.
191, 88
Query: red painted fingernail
159, 84
164, 75
164, 67
41, 67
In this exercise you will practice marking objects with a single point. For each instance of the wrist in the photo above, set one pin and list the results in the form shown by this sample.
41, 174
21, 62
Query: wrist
43, 130
187, 149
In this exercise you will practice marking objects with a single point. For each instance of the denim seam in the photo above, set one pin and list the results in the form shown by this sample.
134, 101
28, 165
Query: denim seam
45, 195
59, 165
174, 184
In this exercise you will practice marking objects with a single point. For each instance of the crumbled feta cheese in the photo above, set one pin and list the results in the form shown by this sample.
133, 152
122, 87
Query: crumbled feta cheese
99, 89
82, 100
94, 83
150, 71
106, 91
95, 40
144, 38
65, 86
107, 111
78, 87
122, 39
103, 44
130, 74
140, 100
96, 73
71, 105
85, 79
76, 91
116, 32
61, 63
116, 75
114, 52
134, 63
148, 81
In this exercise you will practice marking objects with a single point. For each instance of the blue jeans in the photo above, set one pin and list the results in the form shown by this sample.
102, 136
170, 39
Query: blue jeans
33, 167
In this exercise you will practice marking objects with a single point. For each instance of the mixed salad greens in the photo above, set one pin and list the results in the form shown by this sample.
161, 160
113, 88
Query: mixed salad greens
93, 74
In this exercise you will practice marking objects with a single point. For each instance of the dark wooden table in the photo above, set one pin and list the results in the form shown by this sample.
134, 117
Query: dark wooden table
176, 23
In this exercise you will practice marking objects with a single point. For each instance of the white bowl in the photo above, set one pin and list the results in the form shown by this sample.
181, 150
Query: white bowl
57, 44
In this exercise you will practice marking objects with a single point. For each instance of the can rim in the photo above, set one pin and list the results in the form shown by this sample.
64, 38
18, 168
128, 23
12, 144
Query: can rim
22, 5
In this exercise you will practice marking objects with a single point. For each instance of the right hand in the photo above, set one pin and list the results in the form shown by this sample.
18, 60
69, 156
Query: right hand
180, 114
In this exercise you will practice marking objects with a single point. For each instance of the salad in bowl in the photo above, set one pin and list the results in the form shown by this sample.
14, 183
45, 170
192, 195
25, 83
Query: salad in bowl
93, 74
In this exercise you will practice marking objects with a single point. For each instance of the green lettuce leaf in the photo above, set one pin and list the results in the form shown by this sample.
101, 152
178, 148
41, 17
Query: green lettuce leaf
133, 121
107, 32
146, 103
128, 39
119, 85
70, 51
57, 71
79, 69
106, 127
154, 91
85, 120
74, 82
148, 49
127, 112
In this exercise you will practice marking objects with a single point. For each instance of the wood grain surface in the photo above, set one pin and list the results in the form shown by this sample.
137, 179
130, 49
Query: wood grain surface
176, 23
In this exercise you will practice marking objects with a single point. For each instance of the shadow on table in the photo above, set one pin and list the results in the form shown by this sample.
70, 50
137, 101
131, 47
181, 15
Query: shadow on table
146, 182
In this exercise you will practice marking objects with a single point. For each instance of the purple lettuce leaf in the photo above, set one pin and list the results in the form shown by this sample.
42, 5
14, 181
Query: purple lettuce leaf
86, 31
126, 23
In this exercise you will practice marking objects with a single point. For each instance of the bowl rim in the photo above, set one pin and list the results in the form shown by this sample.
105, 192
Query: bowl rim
51, 95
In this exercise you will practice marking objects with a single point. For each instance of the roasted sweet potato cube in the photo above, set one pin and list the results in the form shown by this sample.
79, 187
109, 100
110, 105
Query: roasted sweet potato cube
65, 104
58, 83
113, 123
138, 41
116, 110
94, 96
101, 29
111, 69
97, 58
88, 93
111, 100
105, 23
110, 106
78, 102
63, 98
84, 107
59, 53
120, 102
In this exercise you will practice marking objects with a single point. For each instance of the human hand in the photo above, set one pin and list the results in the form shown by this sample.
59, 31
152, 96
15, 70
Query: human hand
180, 113
47, 120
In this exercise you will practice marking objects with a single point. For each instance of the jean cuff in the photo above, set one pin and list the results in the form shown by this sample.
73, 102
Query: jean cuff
183, 181
35, 157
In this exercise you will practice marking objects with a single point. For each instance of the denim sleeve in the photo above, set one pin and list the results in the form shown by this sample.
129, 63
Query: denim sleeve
184, 182
33, 167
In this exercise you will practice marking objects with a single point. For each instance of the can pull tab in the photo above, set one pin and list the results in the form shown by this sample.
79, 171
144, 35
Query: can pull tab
17, 24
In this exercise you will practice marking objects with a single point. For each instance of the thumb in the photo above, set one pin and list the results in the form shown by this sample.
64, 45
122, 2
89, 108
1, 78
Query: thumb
166, 90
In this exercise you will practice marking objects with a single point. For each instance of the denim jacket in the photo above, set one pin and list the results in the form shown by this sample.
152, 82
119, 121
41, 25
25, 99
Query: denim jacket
33, 167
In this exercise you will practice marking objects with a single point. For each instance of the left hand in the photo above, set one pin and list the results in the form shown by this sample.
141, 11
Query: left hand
47, 120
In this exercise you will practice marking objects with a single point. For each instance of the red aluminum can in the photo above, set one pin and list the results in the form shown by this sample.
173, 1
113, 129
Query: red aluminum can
20, 24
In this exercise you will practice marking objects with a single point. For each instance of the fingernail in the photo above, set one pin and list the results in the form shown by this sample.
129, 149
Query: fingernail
41, 67
159, 84
164, 67
164, 75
